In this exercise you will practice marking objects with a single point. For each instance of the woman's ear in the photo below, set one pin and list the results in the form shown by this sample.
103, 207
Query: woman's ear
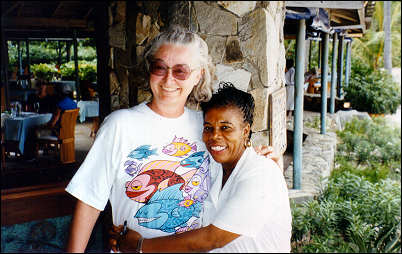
246, 131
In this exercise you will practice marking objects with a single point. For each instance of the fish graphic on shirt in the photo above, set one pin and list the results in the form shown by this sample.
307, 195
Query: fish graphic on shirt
165, 211
198, 186
179, 147
193, 161
154, 176
142, 152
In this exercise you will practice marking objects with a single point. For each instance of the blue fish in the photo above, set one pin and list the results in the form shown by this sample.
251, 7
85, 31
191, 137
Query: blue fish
193, 161
167, 210
142, 152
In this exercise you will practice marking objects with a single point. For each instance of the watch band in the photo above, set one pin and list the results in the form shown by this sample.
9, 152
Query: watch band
139, 245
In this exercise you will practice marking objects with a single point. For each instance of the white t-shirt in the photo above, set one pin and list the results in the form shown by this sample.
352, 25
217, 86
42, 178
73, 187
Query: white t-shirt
290, 77
156, 171
254, 203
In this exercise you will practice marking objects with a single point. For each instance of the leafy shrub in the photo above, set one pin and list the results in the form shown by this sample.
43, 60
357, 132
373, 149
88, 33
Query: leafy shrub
86, 71
44, 72
372, 91
351, 215
359, 210
371, 144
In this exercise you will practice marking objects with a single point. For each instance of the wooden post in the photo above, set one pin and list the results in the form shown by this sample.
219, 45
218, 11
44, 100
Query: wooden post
324, 78
333, 73
309, 54
340, 66
77, 78
298, 112
4, 71
28, 63
103, 53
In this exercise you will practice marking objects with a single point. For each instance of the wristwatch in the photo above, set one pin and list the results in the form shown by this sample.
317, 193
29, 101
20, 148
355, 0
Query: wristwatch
139, 245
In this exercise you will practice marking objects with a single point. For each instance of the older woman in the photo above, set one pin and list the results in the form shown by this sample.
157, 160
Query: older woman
149, 160
251, 212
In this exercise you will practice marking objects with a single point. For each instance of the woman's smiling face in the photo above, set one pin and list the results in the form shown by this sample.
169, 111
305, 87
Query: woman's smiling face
225, 134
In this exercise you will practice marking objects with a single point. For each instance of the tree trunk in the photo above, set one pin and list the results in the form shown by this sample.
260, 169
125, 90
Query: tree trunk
387, 37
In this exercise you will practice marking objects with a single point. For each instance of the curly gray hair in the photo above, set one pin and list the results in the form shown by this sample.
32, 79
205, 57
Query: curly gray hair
181, 36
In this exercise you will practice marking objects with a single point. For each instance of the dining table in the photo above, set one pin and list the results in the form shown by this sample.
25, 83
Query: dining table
88, 109
19, 128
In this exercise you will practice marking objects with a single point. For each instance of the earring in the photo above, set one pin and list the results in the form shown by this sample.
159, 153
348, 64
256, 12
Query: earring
248, 143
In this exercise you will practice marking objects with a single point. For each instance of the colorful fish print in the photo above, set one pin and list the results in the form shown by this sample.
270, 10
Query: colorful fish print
194, 160
179, 147
194, 225
167, 212
142, 152
198, 186
132, 167
145, 184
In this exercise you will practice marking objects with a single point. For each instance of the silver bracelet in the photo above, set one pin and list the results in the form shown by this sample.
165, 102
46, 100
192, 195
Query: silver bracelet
139, 245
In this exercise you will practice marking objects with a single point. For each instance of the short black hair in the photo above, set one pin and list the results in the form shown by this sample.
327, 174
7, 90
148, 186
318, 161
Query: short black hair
229, 95
289, 63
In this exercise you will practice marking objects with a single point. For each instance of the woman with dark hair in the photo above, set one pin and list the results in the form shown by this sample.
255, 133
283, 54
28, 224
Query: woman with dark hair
251, 212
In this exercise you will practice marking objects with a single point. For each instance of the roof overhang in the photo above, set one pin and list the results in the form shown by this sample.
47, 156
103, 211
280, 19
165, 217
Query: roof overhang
48, 19
350, 18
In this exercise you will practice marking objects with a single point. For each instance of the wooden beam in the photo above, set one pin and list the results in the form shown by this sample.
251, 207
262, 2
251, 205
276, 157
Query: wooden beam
22, 22
57, 8
344, 16
11, 9
88, 13
356, 35
360, 12
348, 27
20, 9
327, 4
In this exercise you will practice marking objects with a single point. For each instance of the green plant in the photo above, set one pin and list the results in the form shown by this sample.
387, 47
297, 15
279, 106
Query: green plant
359, 210
372, 91
351, 215
86, 71
43, 72
371, 144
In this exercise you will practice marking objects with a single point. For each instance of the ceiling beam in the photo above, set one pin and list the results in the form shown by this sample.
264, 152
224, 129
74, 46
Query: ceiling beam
348, 27
89, 12
20, 9
25, 22
344, 16
327, 4
362, 19
59, 5
357, 35
11, 9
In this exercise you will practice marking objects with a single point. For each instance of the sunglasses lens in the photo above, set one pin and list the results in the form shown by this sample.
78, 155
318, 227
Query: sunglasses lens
181, 71
158, 68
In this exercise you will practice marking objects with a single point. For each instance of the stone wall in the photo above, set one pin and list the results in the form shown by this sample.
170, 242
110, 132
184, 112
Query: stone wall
245, 39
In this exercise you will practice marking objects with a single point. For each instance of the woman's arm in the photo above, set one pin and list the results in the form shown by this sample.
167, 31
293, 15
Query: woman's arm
198, 240
82, 224
55, 117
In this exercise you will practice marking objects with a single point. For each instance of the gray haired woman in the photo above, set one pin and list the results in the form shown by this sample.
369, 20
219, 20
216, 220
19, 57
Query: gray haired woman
149, 161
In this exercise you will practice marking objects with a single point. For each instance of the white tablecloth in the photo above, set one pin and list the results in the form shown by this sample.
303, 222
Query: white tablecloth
88, 109
20, 127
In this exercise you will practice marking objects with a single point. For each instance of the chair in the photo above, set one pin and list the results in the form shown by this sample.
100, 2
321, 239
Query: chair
64, 142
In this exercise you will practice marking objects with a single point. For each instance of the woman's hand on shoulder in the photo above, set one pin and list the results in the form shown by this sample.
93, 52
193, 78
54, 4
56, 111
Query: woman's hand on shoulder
268, 152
